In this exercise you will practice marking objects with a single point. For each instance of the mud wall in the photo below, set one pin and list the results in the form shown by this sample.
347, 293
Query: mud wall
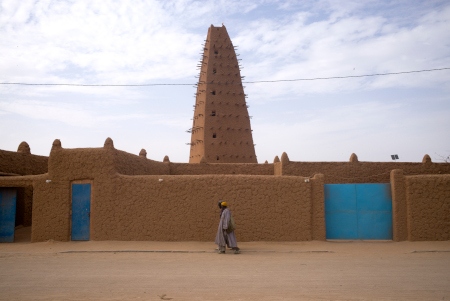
129, 164
92, 162
22, 162
134, 198
51, 210
421, 206
221, 169
88, 163
184, 208
360, 172
318, 207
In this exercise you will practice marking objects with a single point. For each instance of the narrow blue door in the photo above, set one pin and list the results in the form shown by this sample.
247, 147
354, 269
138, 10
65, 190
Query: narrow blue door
7, 214
81, 211
358, 211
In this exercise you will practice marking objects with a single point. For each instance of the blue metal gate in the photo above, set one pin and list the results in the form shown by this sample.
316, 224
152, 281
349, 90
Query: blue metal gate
81, 211
358, 211
8, 198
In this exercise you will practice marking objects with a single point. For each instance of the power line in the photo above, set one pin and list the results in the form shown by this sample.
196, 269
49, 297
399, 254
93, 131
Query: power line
247, 82
96, 85
347, 76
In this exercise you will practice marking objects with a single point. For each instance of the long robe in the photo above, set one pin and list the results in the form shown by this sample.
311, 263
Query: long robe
222, 237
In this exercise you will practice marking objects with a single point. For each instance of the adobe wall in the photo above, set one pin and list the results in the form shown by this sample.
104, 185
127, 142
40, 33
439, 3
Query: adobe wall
86, 163
421, 207
318, 207
399, 209
89, 163
360, 172
184, 208
129, 164
22, 162
221, 169
270, 201
428, 207
51, 210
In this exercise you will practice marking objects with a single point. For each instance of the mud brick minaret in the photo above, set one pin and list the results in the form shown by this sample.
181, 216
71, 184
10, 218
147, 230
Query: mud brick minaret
221, 131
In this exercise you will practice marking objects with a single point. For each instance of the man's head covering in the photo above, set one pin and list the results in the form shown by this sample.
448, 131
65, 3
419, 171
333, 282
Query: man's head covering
224, 204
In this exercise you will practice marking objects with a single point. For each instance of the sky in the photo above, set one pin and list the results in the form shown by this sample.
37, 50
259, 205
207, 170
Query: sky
293, 50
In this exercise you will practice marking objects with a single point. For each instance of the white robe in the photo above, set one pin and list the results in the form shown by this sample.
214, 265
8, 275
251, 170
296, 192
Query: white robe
222, 237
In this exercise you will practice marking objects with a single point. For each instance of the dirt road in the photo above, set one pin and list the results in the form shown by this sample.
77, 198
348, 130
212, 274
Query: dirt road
193, 271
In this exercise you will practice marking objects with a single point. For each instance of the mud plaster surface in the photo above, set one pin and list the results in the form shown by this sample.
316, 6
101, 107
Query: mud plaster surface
315, 270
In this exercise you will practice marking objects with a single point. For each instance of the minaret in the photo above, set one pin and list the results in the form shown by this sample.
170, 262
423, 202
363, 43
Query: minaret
221, 131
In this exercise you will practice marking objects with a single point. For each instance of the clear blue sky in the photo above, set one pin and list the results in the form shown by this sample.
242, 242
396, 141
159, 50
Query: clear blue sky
144, 42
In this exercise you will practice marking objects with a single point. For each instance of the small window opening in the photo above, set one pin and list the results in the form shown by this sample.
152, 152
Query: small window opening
214, 135
213, 92
213, 113
214, 71
216, 52
217, 158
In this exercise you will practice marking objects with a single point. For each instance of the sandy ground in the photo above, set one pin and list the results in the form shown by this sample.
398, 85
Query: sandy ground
333, 270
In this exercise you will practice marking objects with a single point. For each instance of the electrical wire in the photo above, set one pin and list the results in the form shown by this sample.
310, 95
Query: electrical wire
245, 82
347, 76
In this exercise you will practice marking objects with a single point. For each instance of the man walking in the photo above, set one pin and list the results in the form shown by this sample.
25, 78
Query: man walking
225, 233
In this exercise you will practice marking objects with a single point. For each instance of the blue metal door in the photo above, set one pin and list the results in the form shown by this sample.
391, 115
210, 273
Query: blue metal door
81, 211
358, 211
340, 212
7, 214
